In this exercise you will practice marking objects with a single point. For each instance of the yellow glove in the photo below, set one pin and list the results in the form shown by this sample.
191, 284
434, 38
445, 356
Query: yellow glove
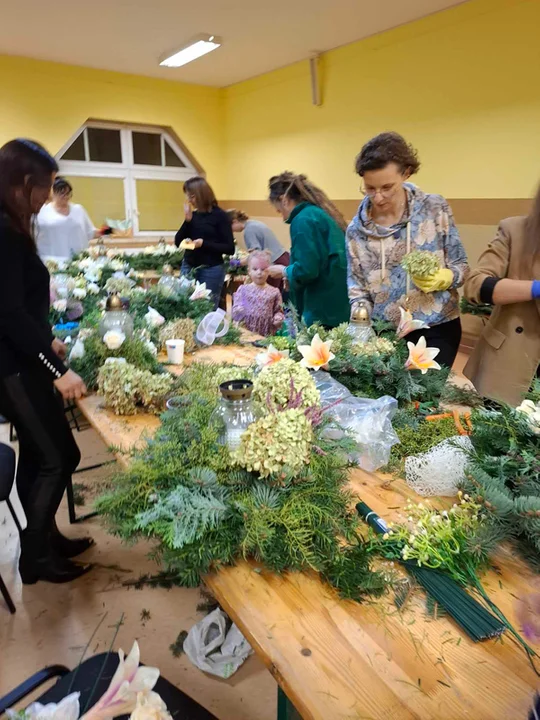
441, 280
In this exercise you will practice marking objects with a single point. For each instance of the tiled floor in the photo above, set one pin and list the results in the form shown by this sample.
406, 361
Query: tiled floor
53, 623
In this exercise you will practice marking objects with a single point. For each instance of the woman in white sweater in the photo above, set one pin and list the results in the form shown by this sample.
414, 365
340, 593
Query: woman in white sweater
63, 228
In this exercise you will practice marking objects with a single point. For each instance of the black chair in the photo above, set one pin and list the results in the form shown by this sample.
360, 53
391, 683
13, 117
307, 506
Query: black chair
7, 476
91, 678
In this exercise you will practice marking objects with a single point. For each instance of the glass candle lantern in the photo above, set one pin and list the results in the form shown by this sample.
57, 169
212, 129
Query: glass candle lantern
235, 412
360, 323
168, 284
116, 317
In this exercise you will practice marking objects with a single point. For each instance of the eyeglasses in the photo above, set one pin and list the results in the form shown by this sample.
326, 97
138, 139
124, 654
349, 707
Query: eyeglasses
385, 192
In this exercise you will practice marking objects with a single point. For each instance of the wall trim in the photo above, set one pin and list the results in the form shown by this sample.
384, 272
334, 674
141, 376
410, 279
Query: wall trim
467, 211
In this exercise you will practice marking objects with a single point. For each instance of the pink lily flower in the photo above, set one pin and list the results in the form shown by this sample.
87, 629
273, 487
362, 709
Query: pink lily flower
270, 356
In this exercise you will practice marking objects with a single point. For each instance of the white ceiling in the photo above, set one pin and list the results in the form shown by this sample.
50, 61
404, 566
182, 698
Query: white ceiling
258, 35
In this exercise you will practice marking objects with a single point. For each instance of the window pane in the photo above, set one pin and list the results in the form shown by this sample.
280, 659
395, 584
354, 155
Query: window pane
171, 158
101, 197
160, 204
104, 145
76, 150
146, 148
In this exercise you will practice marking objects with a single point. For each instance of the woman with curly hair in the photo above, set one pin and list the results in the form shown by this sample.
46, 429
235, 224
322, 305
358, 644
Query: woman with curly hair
317, 274
394, 218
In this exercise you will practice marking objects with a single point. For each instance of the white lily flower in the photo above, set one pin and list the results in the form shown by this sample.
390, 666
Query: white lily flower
150, 706
271, 356
153, 318
200, 292
128, 681
93, 288
79, 293
77, 351
67, 709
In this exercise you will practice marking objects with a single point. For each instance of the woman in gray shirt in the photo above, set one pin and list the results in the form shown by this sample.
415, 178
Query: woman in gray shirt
258, 236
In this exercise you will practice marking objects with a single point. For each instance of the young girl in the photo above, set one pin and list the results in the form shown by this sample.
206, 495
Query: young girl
258, 305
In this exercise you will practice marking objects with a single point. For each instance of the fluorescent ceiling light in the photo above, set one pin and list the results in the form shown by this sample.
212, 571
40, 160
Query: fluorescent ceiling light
199, 46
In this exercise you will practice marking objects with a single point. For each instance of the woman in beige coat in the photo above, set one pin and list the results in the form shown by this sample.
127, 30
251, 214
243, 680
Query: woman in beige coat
506, 358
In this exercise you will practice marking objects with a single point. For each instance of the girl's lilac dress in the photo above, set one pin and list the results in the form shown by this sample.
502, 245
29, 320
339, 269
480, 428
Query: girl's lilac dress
255, 306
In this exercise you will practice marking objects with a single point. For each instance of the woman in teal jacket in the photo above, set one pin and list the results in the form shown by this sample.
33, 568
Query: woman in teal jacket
317, 274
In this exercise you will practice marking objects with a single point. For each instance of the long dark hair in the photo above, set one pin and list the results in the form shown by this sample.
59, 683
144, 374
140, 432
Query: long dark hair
205, 199
299, 189
24, 165
531, 248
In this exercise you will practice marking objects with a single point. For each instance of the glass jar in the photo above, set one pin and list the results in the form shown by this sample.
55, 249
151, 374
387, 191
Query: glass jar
360, 324
235, 412
116, 317
168, 283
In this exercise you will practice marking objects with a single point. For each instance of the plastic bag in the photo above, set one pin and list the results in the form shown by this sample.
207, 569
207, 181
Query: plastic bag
207, 332
369, 421
216, 648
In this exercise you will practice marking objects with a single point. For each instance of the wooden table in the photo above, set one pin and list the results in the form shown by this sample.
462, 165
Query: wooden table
337, 659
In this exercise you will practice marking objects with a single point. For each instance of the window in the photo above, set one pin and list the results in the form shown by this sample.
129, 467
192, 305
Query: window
136, 173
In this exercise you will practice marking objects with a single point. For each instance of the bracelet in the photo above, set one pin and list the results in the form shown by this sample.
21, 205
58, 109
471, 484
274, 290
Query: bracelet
536, 290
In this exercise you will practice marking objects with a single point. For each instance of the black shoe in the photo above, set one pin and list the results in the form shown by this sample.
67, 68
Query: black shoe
50, 569
66, 547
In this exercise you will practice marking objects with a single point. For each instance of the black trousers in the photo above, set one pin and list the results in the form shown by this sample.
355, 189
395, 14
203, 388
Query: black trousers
48, 453
446, 337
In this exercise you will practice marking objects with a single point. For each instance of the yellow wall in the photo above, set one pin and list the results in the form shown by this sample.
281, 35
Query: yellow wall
49, 102
462, 85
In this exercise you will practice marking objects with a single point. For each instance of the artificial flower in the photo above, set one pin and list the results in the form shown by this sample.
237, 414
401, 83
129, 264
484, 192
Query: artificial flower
532, 411
317, 355
153, 318
200, 292
79, 293
270, 356
150, 706
67, 709
407, 324
128, 681
93, 288
114, 339
77, 351
421, 357
60, 305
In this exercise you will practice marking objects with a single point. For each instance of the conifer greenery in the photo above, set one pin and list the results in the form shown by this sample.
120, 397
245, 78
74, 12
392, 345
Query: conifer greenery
185, 491
504, 474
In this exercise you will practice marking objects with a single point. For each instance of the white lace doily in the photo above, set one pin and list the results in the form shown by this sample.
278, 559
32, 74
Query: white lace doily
441, 469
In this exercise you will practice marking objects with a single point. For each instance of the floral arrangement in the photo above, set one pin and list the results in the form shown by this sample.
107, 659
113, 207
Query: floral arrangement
420, 263
183, 329
504, 473
130, 693
449, 540
126, 390
277, 443
153, 256
274, 383
205, 508
90, 353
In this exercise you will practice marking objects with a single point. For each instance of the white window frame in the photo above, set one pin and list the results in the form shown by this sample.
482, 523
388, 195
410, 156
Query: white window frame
127, 170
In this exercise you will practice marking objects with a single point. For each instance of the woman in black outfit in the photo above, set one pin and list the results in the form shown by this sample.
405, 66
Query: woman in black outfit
209, 227
33, 378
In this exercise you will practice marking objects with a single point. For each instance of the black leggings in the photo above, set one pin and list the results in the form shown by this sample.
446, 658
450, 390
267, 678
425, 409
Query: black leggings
446, 337
48, 453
